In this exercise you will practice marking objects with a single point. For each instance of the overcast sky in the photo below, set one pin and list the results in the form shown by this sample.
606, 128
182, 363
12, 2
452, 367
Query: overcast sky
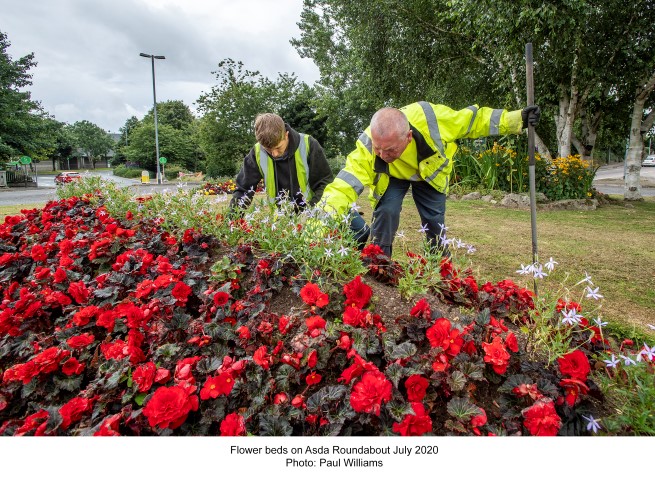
87, 51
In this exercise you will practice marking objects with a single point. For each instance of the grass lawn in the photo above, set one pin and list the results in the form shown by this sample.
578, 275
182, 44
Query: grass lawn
15, 209
614, 244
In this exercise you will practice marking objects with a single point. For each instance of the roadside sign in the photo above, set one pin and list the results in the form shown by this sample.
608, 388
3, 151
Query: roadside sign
163, 160
25, 160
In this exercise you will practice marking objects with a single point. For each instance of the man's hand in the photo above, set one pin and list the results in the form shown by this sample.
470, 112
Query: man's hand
531, 116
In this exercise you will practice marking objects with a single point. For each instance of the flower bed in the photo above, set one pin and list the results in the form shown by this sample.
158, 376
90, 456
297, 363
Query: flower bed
116, 327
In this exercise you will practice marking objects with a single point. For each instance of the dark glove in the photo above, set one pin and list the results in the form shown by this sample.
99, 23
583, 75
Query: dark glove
531, 115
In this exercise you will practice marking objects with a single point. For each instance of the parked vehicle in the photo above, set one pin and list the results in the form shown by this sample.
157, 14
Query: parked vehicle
66, 177
649, 161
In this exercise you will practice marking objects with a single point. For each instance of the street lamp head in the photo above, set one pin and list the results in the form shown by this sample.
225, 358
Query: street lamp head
158, 57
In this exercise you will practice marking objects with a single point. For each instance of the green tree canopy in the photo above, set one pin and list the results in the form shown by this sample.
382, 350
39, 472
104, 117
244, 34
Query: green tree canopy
24, 129
226, 128
178, 146
173, 113
92, 140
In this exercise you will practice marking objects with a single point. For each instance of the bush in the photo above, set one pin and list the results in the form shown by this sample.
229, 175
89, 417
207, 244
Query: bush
564, 178
128, 172
171, 172
336, 163
501, 168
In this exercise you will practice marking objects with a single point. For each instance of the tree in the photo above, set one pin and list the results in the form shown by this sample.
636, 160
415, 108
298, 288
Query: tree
177, 132
176, 145
23, 126
229, 109
92, 140
172, 112
457, 52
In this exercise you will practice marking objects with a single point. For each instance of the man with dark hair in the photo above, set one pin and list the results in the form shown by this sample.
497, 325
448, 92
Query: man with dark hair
413, 146
289, 162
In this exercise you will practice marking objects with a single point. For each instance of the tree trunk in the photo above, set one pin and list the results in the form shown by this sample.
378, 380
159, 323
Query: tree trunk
589, 131
564, 122
638, 127
568, 105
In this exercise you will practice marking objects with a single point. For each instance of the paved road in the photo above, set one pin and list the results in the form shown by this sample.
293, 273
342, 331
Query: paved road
47, 191
609, 180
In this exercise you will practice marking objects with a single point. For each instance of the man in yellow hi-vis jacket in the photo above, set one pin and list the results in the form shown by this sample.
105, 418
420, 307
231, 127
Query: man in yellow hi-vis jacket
413, 146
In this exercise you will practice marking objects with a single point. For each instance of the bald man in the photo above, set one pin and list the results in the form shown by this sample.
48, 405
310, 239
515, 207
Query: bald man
413, 146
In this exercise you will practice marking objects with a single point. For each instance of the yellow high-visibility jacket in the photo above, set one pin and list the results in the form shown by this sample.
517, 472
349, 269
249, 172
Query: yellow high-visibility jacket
428, 157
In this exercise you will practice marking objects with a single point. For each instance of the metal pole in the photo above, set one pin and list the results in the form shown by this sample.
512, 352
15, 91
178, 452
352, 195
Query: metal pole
531, 165
154, 96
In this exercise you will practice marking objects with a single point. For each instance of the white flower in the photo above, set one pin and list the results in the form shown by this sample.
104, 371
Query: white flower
586, 279
273, 226
539, 273
571, 317
447, 241
550, 264
443, 227
649, 352
471, 249
328, 239
523, 270
328, 252
343, 251
612, 362
593, 293
627, 360
599, 322
423, 229
459, 243
592, 423
354, 207
400, 234
652, 327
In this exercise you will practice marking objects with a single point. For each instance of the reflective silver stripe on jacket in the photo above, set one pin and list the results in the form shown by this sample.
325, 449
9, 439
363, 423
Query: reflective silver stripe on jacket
474, 109
432, 125
351, 180
366, 140
494, 123
303, 158
415, 178
443, 165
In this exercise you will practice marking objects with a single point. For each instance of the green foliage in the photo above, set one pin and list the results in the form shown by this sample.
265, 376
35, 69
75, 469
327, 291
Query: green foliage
631, 396
25, 129
568, 177
464, 52
177, 134
123, 171
176, 145
226, 129
422, 274
171, 172
92, 139
173, 113
336, 163
502, 168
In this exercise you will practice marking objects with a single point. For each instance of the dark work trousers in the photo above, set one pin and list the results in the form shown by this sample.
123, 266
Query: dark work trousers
359, 228
431, 206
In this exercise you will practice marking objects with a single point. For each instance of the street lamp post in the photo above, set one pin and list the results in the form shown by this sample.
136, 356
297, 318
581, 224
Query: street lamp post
154, 96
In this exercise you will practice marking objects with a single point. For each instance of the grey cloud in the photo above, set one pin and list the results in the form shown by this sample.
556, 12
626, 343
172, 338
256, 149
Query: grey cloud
89, 66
